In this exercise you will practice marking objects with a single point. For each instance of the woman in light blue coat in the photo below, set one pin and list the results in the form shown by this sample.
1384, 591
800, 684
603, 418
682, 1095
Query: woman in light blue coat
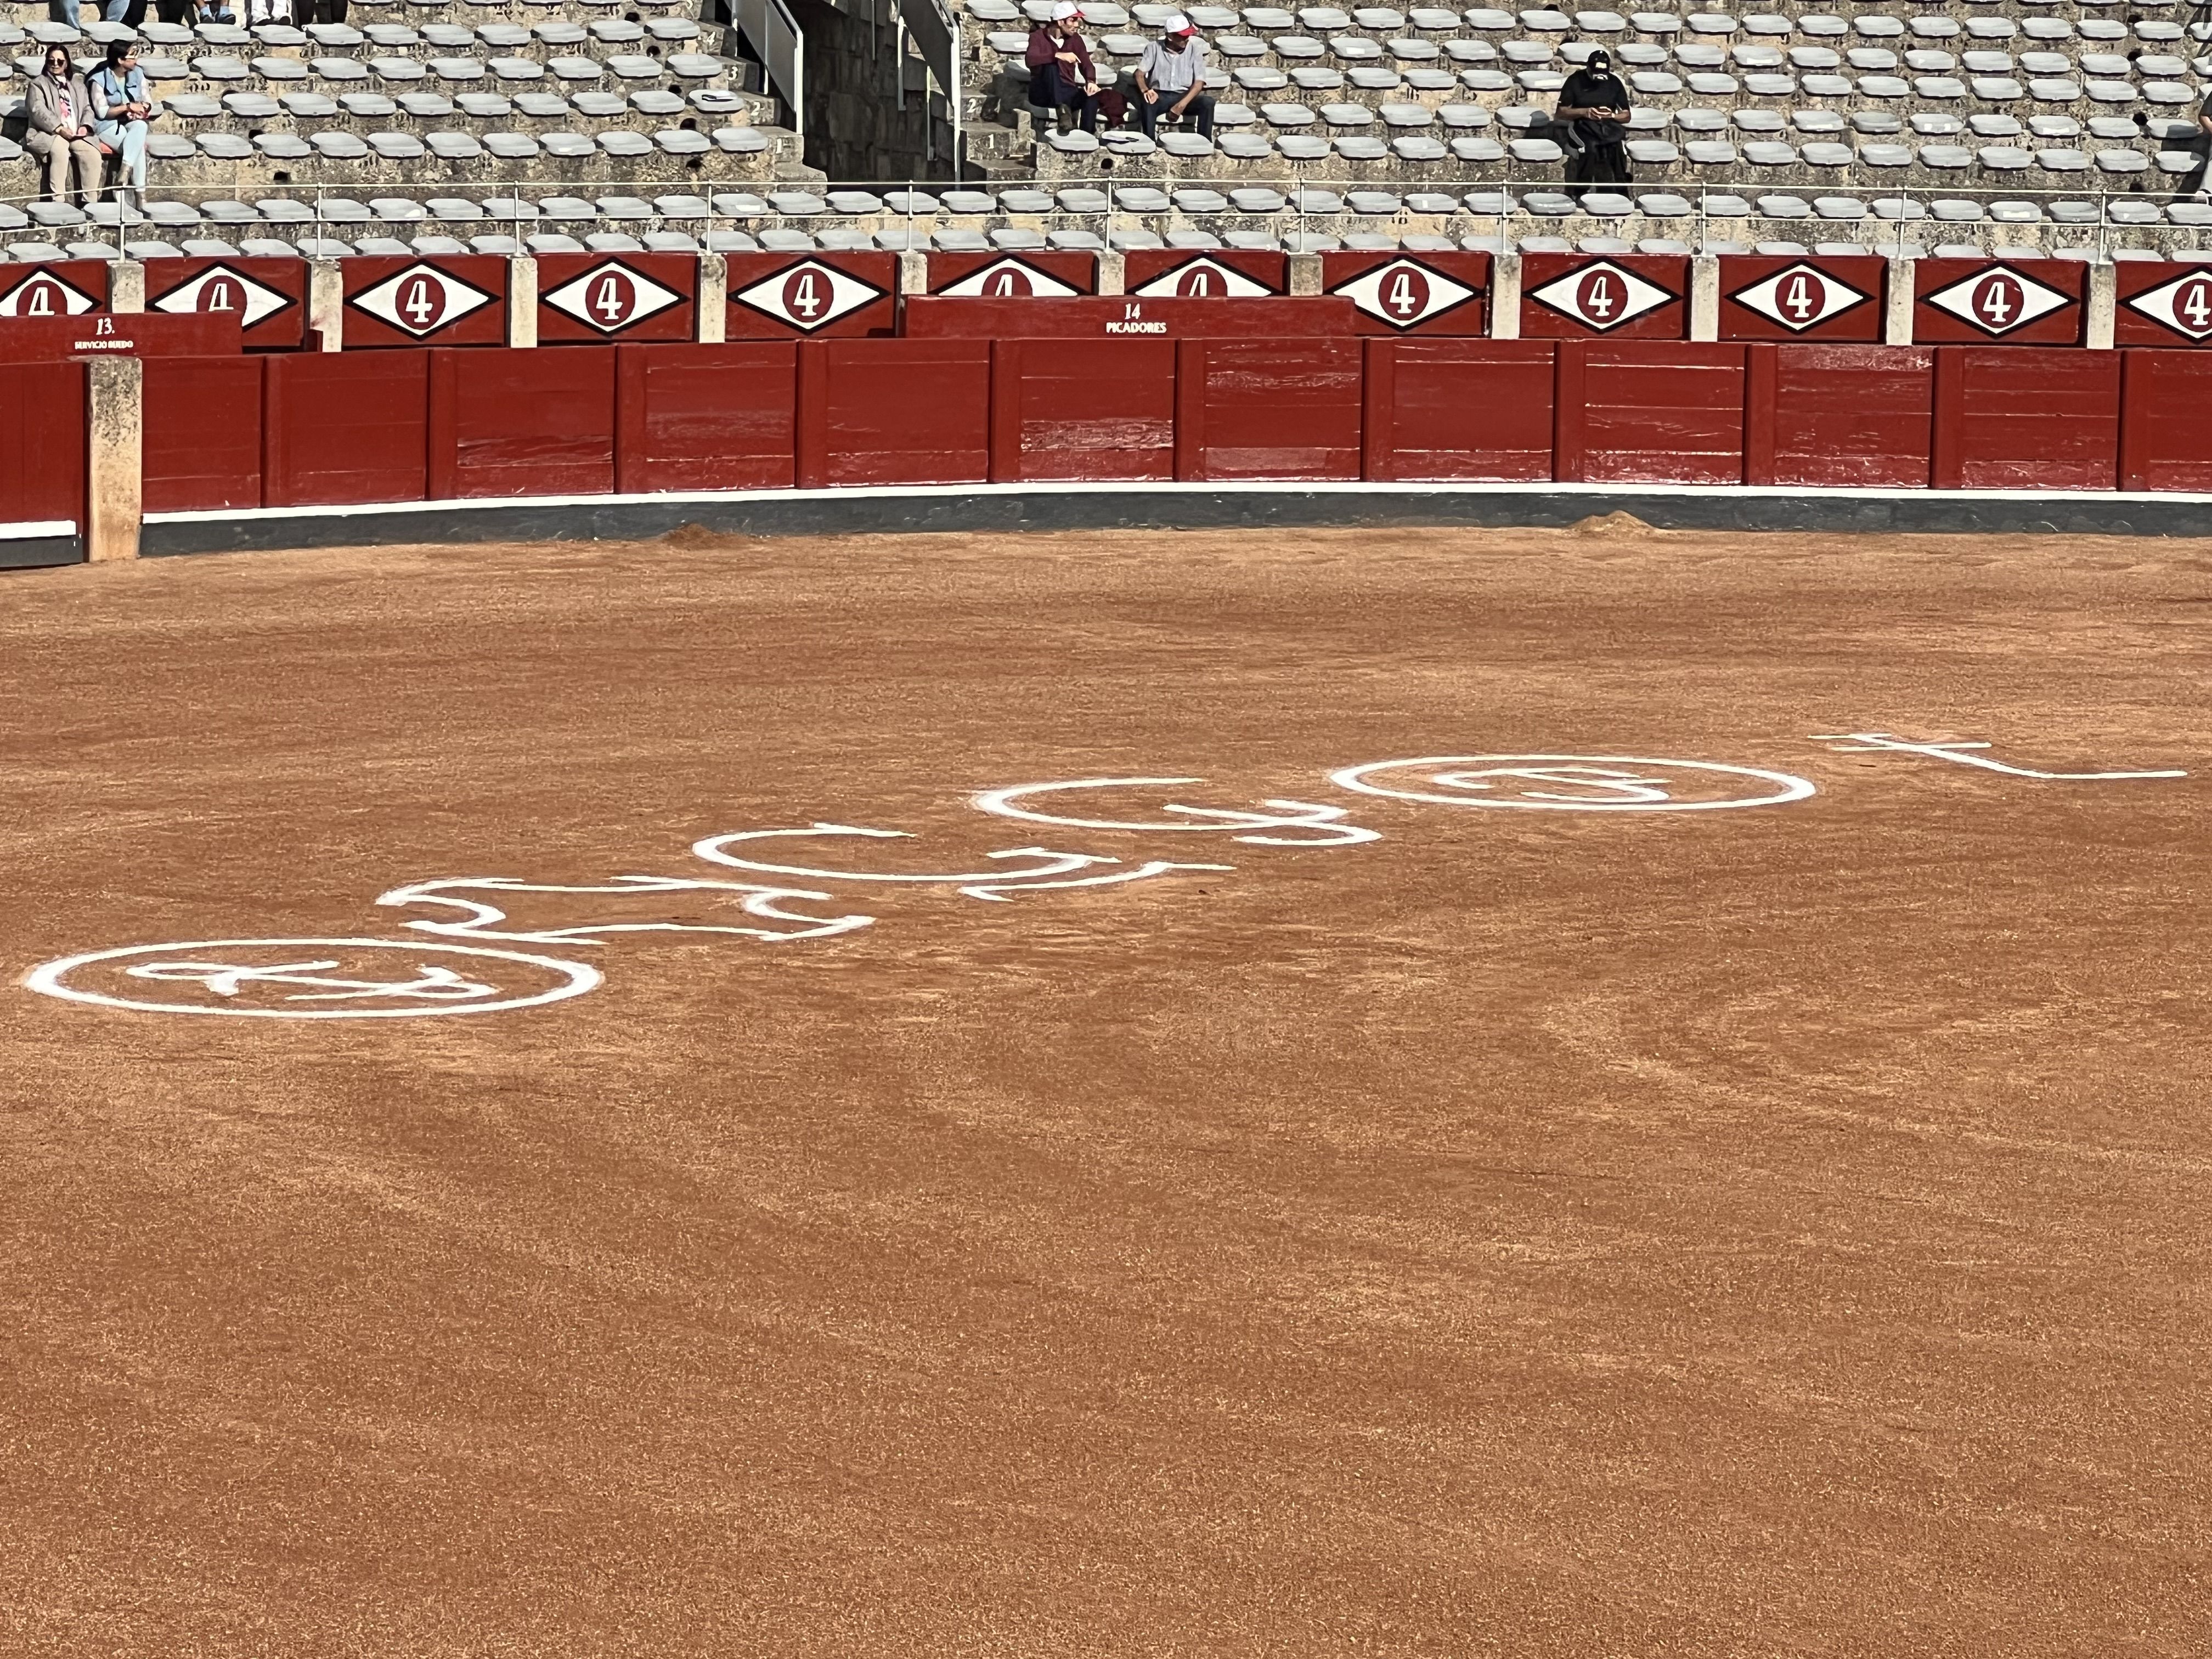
121, 107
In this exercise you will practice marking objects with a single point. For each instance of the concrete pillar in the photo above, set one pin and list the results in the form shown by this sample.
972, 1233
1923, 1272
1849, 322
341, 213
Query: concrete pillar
127, 286
1305, 273
713, 298
1705, 297
326, 303
1505, 296
114, 399
1897, 321
2104, 305
1112, 273
521, 299
914, 271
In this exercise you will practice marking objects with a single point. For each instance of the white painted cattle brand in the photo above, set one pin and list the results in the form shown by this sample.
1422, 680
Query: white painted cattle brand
1324, 820
1599, 783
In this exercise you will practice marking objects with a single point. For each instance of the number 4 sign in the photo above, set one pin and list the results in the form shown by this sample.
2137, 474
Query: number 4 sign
635, 296
1411, 294
774, 296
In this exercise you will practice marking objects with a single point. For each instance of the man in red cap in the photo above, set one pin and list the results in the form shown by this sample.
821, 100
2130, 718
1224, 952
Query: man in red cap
1172, 79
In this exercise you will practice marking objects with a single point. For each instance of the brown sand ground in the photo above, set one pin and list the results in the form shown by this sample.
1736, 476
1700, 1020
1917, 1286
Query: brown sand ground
1720, 1233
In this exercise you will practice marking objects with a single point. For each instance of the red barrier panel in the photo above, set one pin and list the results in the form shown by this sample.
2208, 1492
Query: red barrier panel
1267, 409
1830, 297
268, 296
522, 423
2162, 303
1839, 415
592, 297
1635, 297
1314, 318
790, 296
1459, 408
706, 416
896, 411
1082, 409
1042, 275
110, 334
345, 427
65, 287
1412, 293
201, 448
1630, 412
2164, 443
42, 448
1978, 301
2020, 420
1162, 273
452, 300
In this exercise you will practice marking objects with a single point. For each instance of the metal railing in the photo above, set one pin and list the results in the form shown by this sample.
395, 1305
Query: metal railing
1896, 217
777, 41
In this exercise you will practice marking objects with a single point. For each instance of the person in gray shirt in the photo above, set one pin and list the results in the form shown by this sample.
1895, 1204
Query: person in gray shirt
1172, 79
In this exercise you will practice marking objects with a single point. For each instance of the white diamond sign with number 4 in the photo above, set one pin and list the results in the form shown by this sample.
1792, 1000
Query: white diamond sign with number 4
1405, 293
1998, 300
1008, 279
1800, 297
809, 296
44, 296
1603, 297
1202, 279
2184, 305
422, 299
610, 297
219, 290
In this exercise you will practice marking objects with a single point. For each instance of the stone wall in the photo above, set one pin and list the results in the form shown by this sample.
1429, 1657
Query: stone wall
856, 128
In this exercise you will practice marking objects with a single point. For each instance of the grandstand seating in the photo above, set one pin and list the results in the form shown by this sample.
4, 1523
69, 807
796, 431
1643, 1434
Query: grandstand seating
496, 125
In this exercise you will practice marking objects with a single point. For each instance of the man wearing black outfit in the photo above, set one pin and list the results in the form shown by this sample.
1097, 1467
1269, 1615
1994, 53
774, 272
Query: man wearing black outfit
1593, 107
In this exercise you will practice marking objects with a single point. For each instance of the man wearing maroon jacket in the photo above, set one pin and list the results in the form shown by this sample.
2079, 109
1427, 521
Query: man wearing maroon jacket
1061, 75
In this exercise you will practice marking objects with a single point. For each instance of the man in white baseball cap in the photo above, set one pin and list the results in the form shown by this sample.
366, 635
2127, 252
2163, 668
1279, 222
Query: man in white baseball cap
1172, 79
1060, 75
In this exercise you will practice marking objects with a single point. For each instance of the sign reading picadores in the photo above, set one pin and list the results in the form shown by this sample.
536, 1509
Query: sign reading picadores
476, 944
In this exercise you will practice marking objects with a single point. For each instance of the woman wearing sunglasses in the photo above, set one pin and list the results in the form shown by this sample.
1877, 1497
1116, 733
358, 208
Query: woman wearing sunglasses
59, 111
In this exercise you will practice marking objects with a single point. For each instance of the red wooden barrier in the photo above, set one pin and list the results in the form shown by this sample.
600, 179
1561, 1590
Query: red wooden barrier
1162, 273
791, 296
896, 411
1412, 292
706, 416
341, 427
1054, 276
42, 446
2164, 440
2162, 303
1635, 297
1267, 409
65, 287
1839, 415
1459, 408
268, 296
522, 422
1633, 412
1979, 301
201, 444
452, 300
592, 297
1082, 409
1313, 318
1827, 297
2018, 420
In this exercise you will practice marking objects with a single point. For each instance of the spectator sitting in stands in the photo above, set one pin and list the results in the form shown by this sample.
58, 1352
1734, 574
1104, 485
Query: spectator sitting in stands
122, 106
217, 11
1592, 108
1172, 79
1061, 75
59, 111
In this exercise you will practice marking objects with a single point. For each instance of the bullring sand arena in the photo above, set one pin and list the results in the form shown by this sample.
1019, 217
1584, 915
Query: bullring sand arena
1471, 1183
